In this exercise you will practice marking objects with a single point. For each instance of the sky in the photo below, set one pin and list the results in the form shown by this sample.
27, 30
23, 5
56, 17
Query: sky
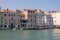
45, 5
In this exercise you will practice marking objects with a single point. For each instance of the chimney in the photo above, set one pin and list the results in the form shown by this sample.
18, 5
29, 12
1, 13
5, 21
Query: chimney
7, 9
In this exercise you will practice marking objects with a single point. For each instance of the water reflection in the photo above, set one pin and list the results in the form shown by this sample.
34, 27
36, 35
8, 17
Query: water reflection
49, 34
25, 35
53, 34
56, 34
30, 35
33, 35
40, 35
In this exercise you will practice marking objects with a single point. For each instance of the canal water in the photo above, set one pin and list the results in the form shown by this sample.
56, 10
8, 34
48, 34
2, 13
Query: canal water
49, 34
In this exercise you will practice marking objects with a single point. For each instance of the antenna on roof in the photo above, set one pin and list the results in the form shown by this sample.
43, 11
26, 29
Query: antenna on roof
7, 9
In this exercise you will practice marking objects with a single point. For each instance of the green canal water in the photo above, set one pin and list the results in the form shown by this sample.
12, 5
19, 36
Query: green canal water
49, 34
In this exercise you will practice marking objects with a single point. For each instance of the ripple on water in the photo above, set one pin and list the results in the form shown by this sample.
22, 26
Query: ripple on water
30, 34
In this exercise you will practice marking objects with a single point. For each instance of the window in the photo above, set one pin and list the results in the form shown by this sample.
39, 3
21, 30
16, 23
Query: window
18, 20
18, 15
36, 23
21, 16
31, 15
1, 21
4, 14
9, 26
9, 14
5, 25
14, 15
12, 20
31, 20
1, 18
23, 25
31, 25
18, 26
1, 25
28, 25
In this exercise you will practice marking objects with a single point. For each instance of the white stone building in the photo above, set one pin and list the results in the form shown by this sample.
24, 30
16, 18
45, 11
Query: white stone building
48, 20
56, 17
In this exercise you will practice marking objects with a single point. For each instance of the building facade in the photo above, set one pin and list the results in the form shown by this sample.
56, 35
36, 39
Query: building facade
28, 18
31, 18
56, 17
48, 20
12, 19
39, 18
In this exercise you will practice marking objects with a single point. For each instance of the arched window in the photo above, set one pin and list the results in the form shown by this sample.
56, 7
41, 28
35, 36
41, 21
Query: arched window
1, 25
4, 14
5, 26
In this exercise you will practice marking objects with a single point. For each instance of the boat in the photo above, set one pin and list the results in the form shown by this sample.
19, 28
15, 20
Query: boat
14, 29
21, 28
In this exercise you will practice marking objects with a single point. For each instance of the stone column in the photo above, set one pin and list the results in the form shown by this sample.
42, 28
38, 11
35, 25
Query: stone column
16, 26
7, 26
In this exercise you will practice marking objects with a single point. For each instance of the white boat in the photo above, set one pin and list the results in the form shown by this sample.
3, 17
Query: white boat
14, 29
21, 28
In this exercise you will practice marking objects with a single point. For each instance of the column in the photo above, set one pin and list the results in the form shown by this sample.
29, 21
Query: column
7, 26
